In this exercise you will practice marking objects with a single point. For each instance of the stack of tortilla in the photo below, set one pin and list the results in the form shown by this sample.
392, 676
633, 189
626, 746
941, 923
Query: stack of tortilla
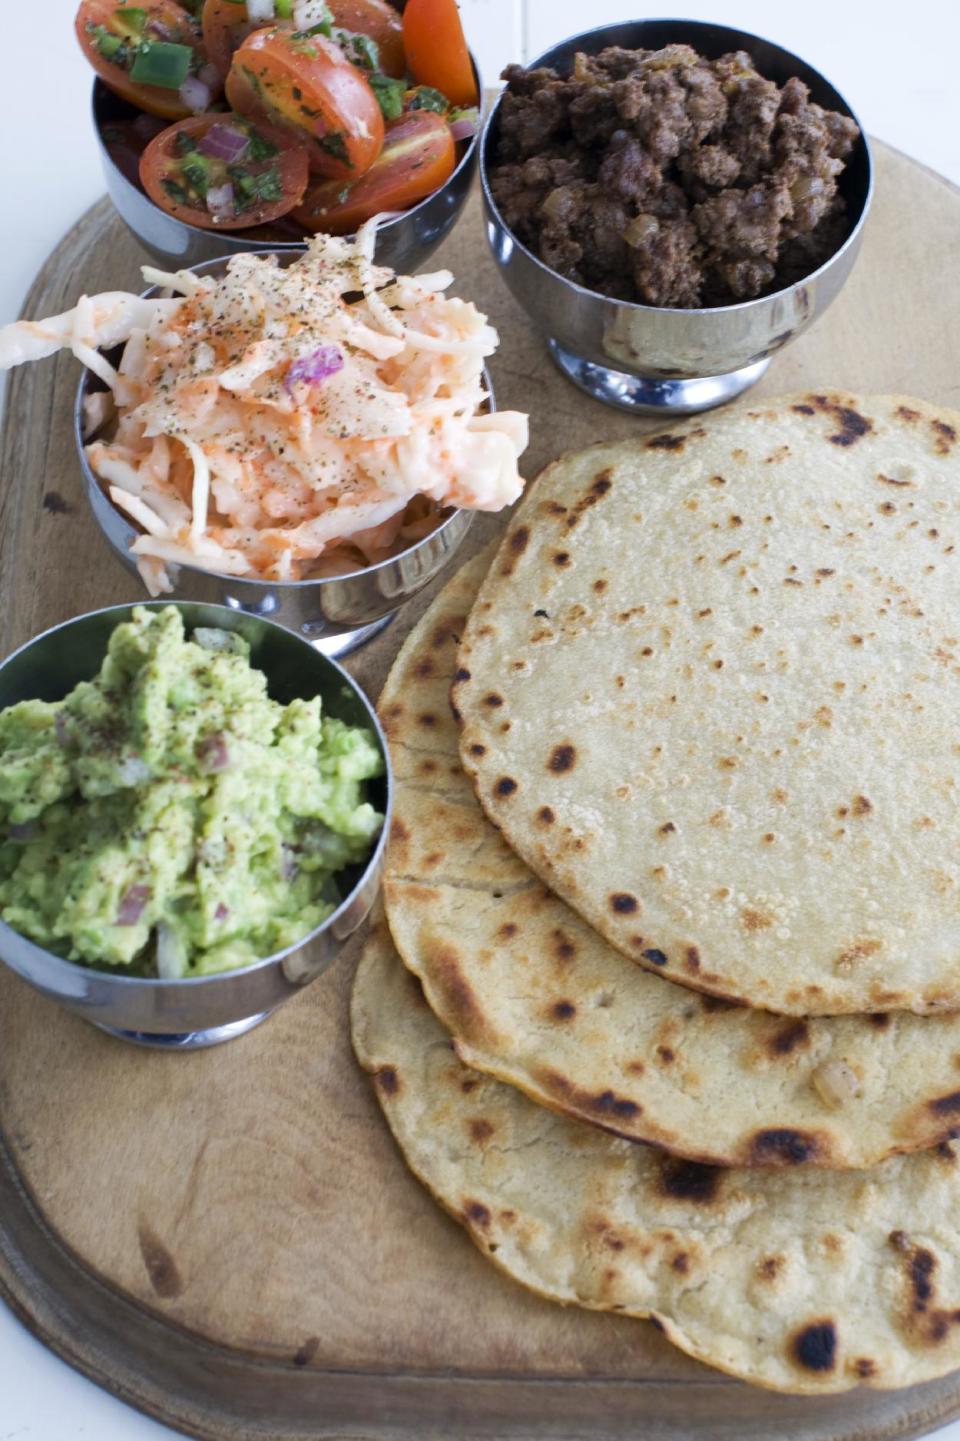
674, 865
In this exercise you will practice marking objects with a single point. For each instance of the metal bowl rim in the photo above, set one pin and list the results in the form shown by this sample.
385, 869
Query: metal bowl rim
632, 305
281, 245
372, 864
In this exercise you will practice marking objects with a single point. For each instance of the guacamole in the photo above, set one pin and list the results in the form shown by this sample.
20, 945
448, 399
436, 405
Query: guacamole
168, 817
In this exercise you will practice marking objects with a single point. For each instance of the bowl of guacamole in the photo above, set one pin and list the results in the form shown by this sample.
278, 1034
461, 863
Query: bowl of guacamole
192, 814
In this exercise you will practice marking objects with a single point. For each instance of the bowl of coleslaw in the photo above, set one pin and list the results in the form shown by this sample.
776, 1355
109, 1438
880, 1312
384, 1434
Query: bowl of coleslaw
303, 437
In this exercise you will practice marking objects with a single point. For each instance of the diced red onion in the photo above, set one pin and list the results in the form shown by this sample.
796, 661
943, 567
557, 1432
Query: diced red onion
221, 913
132, 905
225, 143
221, 200
195, 95
261, 10
162, 32
133, 771
23, 832
289, 865
212, 752
320, 128
317, 366
463, 129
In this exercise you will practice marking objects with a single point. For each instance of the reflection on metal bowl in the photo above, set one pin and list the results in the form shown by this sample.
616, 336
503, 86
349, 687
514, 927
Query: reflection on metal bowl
405, 243
203, 1010
339, 613
658, 360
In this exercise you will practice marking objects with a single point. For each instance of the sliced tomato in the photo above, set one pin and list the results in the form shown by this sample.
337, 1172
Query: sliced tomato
306, 84
437, 50
418, 155
381, 23
226, 24
126, 41
190, 169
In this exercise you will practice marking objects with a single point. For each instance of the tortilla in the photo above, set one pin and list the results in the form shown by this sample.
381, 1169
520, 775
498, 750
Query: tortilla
534, 996
801, 1281
710, 693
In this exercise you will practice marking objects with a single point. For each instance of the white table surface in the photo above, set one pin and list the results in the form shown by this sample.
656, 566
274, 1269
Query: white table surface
895, 63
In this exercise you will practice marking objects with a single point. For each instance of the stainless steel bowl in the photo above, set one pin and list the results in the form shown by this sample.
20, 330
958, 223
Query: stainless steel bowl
202, 1011
660, 360
404, 243
337, 614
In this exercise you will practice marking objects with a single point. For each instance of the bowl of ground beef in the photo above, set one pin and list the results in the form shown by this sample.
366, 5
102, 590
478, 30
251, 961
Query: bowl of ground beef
672, 202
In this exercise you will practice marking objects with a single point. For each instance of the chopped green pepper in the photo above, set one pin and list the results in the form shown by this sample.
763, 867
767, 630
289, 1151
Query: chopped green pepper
159, 63
196, 171
130, 21
335, 144
107, 44
284, 9
260, 147
359, 49
389, 95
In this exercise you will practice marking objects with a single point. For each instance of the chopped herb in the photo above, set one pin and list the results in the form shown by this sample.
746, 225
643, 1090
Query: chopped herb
254, 80
184, 143
344, 195
284, 9
260, 147
252, 188
107, 44
464, 112
310, 113
389, 95
296, 92
196, 171
159, 63
177, 192
424, 97
359, 49
335, 144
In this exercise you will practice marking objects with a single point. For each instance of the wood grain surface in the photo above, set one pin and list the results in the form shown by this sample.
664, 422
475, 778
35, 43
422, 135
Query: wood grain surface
228, 1239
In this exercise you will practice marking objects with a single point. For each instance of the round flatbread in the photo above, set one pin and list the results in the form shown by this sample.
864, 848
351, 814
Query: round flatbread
710, 692
801, 1281
534, 996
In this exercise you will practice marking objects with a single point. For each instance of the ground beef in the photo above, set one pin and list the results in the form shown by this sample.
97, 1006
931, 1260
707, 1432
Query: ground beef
664, 178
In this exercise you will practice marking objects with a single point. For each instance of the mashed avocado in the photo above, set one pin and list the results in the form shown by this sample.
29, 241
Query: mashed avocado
168, 817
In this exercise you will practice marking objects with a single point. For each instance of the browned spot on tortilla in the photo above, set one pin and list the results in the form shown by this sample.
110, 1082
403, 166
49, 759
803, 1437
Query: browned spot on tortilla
720, 1003
562, 758
161, 1267
518, 540
667, 829
480, 1129
388, 1080
864, 1367
789, 1037
563, 1011
508, 929
691, 960
476, 1212
769, 1266
307, 1351
803, 409
448, 630
657, 958
398, 832
563, 947
608, 1103
945, 1105
754, 920
602, 482
851, 425
427, 718
880, 1019
493, 699
681, 1263
545, 816
505, 786
814, 1347
666, 1055
623, 903
478, 749
600, 586
889, 480
783, 1146
906, 412
689, 1181
945, 436
561, 558
666, 442
861, 806
459, 1001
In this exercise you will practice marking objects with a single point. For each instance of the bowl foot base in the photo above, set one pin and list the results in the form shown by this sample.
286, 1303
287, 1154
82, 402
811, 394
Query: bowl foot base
344, 642
644, 395
186, 1040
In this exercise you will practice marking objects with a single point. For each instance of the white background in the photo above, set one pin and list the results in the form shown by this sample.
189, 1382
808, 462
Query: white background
895, 63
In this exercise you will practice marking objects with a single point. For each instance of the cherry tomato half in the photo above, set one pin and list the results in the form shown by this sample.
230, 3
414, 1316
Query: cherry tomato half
201, 171
437, 50
226, 24
144, 51
307, 84
418, 155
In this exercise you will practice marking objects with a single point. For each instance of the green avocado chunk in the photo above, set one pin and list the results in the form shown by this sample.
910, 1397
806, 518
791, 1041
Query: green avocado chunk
171, 819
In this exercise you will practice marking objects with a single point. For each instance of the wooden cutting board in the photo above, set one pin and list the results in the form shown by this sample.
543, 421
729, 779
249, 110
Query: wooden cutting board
228, 1239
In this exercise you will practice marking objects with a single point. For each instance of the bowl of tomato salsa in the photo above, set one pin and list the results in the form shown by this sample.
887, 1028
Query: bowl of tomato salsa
234, 125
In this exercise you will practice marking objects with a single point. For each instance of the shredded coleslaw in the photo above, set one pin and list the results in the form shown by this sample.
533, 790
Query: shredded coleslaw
287, 424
